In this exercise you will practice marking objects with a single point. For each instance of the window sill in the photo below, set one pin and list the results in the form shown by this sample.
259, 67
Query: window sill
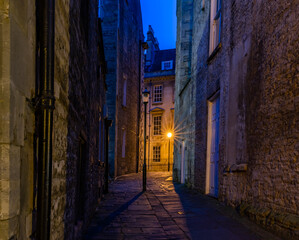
157, 103
214, 53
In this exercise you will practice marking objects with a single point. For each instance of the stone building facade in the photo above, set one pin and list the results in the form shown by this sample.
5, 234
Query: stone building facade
70, 62
123, 38
237, 61
159, 79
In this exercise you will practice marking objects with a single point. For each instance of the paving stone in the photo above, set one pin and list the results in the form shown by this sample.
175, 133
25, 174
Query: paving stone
167, 223
163, 213
171, 228
152, 230
132, 230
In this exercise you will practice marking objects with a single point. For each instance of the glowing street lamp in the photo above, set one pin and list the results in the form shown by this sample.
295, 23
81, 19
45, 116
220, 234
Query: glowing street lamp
169, 135
145, 97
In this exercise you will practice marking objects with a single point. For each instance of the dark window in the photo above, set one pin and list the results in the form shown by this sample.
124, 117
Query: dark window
84, 17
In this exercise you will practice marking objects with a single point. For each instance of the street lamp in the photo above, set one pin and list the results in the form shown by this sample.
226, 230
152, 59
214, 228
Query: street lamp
169, 135
145, 97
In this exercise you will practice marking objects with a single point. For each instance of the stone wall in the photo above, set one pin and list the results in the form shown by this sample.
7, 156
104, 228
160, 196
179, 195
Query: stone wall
60, 118
82, 166
271, 119
17, 78
122, 32
79, 90
184, 116
109, 14
255, 72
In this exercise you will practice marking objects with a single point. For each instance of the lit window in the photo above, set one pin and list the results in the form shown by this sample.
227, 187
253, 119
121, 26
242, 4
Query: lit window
156, 154
167, 65
158, 93
215, 24
157, 124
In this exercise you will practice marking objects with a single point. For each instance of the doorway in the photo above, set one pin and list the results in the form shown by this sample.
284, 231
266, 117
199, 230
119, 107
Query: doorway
213, 146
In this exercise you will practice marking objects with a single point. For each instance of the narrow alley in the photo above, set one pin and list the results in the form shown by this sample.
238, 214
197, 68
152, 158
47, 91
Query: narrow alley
166, 211
149, 119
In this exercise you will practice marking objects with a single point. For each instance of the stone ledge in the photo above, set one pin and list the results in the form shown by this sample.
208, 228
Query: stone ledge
284, 224
236, 168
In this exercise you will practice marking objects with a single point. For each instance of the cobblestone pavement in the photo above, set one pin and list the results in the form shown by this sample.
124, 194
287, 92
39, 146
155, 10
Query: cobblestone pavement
166, 211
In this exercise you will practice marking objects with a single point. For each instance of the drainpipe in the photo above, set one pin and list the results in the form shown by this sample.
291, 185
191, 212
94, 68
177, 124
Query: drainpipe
108, 124
44, 104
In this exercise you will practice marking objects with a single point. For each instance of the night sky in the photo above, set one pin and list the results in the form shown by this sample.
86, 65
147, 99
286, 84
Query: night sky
161, 14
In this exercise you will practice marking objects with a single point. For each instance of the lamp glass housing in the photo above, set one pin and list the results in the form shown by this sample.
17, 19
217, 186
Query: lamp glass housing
145, 96
169, 135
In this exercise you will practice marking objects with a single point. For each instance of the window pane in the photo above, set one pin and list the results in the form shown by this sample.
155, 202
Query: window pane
158, 93
157, 125
166, 65
217, 31
156, 154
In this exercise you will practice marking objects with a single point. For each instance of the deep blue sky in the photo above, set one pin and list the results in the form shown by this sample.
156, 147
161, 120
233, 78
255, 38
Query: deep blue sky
161, 14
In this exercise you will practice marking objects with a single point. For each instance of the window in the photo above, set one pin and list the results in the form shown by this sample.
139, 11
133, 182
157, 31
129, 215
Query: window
125, 93
215, 25
123, 150
84, 17
167, 65
157, 125
156, 153
158, 93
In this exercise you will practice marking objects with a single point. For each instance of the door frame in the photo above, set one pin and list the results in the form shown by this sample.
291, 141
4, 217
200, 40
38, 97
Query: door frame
183, 163
210, 103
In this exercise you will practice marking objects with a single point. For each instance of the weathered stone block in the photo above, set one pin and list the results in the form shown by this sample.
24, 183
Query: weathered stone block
9, 228
9, 162
10, 199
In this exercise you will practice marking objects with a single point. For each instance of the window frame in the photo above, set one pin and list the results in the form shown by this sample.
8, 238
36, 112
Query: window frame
157, 153
215, 26
157, 128
155, 93
163, 63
